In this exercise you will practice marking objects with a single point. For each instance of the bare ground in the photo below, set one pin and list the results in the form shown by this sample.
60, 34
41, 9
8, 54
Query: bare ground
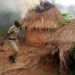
29, 61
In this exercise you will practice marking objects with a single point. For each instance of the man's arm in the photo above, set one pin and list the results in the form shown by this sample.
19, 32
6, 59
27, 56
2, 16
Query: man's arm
7, 34
4, 38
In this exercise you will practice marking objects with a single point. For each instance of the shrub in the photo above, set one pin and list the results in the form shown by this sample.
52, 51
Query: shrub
3, 32
57, 72
67, 19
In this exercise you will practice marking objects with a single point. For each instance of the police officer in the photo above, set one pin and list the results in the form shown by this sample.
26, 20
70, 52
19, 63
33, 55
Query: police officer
12, 36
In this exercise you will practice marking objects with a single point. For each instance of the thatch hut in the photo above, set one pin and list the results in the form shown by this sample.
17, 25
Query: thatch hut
38, 23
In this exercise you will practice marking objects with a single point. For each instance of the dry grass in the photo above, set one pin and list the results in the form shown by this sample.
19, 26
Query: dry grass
42, 20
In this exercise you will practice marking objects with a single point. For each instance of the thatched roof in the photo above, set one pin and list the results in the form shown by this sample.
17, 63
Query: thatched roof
44, 19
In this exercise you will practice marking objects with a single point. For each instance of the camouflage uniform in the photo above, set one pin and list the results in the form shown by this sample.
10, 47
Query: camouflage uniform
13, 37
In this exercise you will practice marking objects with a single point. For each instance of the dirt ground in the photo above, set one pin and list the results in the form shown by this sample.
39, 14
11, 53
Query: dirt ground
26, 61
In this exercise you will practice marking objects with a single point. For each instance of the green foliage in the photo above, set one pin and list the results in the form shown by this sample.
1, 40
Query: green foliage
73, 49
72, 73
57, 72
52, 30
67, 19
44, 73
3, 32
8, 18
67, 15
73, 55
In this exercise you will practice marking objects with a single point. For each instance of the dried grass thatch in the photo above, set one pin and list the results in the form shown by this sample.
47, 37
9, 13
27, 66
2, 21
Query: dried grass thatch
63, 39
42, 20
38, 23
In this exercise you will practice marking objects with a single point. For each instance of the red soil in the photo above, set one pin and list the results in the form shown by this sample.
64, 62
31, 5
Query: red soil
26, 52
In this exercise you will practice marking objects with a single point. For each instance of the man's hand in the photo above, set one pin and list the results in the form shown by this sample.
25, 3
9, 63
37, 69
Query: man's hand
1, 43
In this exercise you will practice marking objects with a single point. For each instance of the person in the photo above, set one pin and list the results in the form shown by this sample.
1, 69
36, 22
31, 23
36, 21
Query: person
12, 36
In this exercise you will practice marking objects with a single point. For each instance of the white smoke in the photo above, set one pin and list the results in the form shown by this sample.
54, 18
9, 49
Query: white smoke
31, 4
28, 4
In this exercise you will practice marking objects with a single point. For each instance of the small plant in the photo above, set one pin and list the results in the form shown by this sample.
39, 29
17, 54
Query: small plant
3, 32
72, 73
72, 59
73, 49
67, 19
52, 30
57, 72
44, 73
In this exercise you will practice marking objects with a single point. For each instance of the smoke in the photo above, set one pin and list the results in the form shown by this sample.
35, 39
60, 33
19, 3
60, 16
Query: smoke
17, 8
67, 9
10, 10
27, 5
31, 4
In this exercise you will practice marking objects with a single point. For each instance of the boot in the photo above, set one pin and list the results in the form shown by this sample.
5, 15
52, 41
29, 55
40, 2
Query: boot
12, 57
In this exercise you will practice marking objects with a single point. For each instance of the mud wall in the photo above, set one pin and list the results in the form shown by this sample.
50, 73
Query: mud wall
37, 37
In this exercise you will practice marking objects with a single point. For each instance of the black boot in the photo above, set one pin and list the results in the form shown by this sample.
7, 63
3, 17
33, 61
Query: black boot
12, 57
